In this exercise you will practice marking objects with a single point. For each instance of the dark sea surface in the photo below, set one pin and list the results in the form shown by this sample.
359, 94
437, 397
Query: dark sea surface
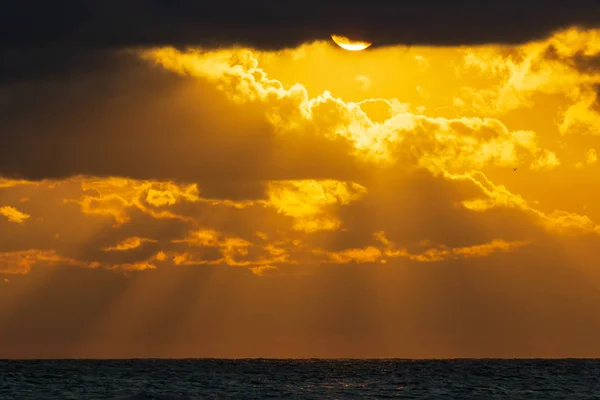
301, 379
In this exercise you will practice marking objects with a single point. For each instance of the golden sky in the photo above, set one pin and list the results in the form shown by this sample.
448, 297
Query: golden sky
308, 202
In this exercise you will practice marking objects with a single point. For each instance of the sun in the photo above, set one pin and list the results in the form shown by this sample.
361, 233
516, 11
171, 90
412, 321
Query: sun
349, 44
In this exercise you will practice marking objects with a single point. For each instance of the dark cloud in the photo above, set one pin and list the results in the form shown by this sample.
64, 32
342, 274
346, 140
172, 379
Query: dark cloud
42, 37
50, 64
274, 24
419, 210
587, 64
582, 62
146, 123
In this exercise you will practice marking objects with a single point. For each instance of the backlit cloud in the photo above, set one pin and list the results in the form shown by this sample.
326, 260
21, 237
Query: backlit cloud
13, 214
239, 196
280, 214
434, 142
129, 243
567, 64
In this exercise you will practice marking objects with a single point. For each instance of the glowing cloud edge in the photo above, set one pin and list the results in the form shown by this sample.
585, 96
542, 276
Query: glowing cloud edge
349, 44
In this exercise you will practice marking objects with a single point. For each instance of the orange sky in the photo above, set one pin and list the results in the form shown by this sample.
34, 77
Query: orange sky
310, 202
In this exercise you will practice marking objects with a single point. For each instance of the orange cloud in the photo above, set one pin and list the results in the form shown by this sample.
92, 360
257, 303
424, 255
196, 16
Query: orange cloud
114, 196
233, 251
21, 262
297, 218
499, 196
8, 183
367, 255
475, 251
13, 214
372, 254
435, 157
129, 243
558, 65
129, 267
436, 143
307, 201
264, 270
590, 158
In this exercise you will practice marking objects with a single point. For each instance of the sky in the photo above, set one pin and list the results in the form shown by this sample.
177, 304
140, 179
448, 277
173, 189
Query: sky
185, 179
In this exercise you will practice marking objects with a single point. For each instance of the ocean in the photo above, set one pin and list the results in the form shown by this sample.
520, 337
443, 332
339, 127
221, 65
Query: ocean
299, 379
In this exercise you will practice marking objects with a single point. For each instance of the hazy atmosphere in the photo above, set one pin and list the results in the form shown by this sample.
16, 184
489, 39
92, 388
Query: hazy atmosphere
185, 179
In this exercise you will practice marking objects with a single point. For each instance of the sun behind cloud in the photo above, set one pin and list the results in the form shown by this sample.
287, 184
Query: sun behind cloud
310, 188
349, 44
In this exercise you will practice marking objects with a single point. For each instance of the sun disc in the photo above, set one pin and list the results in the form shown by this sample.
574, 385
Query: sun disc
349, 44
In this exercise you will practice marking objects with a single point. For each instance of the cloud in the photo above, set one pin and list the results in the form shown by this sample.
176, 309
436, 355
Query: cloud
230, 198
435, 142
334, 213
306, 201
235, 167
590, 158
13, 214
164, 224
480, 250
132, 267
564, 64
372, 254
498, 196
356, 145
114, 196
264, 270
288, 134
21, 262
8, 183
187, 137
129, 243
583, 117
109, 23
86, 36
365, 255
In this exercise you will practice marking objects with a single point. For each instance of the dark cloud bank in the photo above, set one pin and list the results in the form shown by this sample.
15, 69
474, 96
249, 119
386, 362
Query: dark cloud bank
277, 24
39, 38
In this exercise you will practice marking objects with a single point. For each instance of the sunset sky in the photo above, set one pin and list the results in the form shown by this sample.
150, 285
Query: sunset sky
188, 180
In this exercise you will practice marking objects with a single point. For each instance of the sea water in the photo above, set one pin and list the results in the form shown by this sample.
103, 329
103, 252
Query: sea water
300, 379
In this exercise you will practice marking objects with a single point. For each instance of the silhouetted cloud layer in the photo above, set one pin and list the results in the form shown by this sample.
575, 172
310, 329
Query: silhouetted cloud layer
43, 38
272, 24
